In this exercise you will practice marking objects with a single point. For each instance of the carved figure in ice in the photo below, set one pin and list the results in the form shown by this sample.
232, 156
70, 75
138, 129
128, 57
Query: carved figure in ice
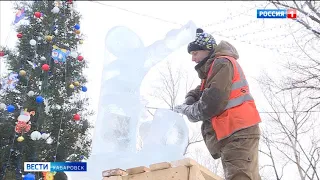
120, 105
114, 141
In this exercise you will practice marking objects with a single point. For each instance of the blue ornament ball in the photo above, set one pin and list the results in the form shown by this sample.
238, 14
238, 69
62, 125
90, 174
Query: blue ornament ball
10, 108
39, 99
77, 26
29, 176
82, 156
84, 89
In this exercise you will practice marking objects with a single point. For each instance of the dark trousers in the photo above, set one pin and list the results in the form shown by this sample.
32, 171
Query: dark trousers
239, 154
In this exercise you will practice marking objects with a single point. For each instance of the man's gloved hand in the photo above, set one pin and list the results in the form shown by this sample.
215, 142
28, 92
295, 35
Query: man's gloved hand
185, 110
190, 100
180, 108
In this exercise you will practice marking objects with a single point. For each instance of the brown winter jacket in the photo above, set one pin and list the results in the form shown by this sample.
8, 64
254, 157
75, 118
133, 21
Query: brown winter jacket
215, 97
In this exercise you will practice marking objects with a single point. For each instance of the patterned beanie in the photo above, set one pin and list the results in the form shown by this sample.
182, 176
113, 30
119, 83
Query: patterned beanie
204, 41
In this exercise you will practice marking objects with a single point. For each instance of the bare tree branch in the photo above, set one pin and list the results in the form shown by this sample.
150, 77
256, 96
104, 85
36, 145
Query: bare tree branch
279, 4
189, 144
271, 156
289, 128
169, 90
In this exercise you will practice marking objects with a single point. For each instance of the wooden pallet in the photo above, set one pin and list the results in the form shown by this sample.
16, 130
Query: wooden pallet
185, 169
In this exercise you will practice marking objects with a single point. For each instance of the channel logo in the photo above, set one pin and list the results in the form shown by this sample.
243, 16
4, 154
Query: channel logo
277, 13
54, 166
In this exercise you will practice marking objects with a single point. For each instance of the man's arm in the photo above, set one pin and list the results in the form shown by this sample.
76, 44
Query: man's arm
193, 96
214, 98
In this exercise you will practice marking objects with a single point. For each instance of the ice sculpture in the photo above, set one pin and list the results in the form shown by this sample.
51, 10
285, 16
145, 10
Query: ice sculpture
114, 141
156, 147
156, 135
120, 106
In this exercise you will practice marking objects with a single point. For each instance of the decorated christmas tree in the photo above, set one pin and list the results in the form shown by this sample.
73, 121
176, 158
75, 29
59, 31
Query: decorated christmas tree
44, 108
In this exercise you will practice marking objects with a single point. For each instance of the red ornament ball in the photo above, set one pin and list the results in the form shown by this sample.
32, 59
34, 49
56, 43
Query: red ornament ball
19, 35
80, 58
76, 117
45, 67
37, 14
1, 53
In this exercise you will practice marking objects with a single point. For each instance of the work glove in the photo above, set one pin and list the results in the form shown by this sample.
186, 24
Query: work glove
185, 110
190, 100
181, 108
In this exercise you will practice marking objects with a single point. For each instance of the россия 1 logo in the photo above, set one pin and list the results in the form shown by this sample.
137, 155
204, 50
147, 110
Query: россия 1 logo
277, 13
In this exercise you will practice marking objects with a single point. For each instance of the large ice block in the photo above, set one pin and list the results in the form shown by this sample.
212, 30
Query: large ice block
115, 136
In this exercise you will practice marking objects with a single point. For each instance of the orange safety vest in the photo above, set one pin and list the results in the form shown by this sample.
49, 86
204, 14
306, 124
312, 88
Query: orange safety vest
241, 111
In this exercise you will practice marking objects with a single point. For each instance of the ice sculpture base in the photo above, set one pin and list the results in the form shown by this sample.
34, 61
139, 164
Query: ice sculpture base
155, 148
98, 163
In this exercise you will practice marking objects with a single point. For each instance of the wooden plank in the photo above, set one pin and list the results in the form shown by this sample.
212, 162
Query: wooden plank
137, 170
175, 173
112, 178
114, 172
160, 166
184, 162
195, 174
207, 174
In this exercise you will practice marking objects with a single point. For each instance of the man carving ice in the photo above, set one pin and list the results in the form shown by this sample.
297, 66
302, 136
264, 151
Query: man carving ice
223, 102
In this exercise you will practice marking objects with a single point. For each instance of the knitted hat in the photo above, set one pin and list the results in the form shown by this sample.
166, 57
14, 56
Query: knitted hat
204, 41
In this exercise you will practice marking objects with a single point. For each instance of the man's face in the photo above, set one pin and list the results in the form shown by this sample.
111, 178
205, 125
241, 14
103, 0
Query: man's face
198, 56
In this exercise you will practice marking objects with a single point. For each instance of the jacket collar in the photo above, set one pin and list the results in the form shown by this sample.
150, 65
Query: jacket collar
203, 66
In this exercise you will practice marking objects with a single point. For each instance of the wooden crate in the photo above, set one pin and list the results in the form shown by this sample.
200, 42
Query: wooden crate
185, 169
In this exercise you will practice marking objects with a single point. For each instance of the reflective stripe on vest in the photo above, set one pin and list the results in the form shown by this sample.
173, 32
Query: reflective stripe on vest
239, 89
